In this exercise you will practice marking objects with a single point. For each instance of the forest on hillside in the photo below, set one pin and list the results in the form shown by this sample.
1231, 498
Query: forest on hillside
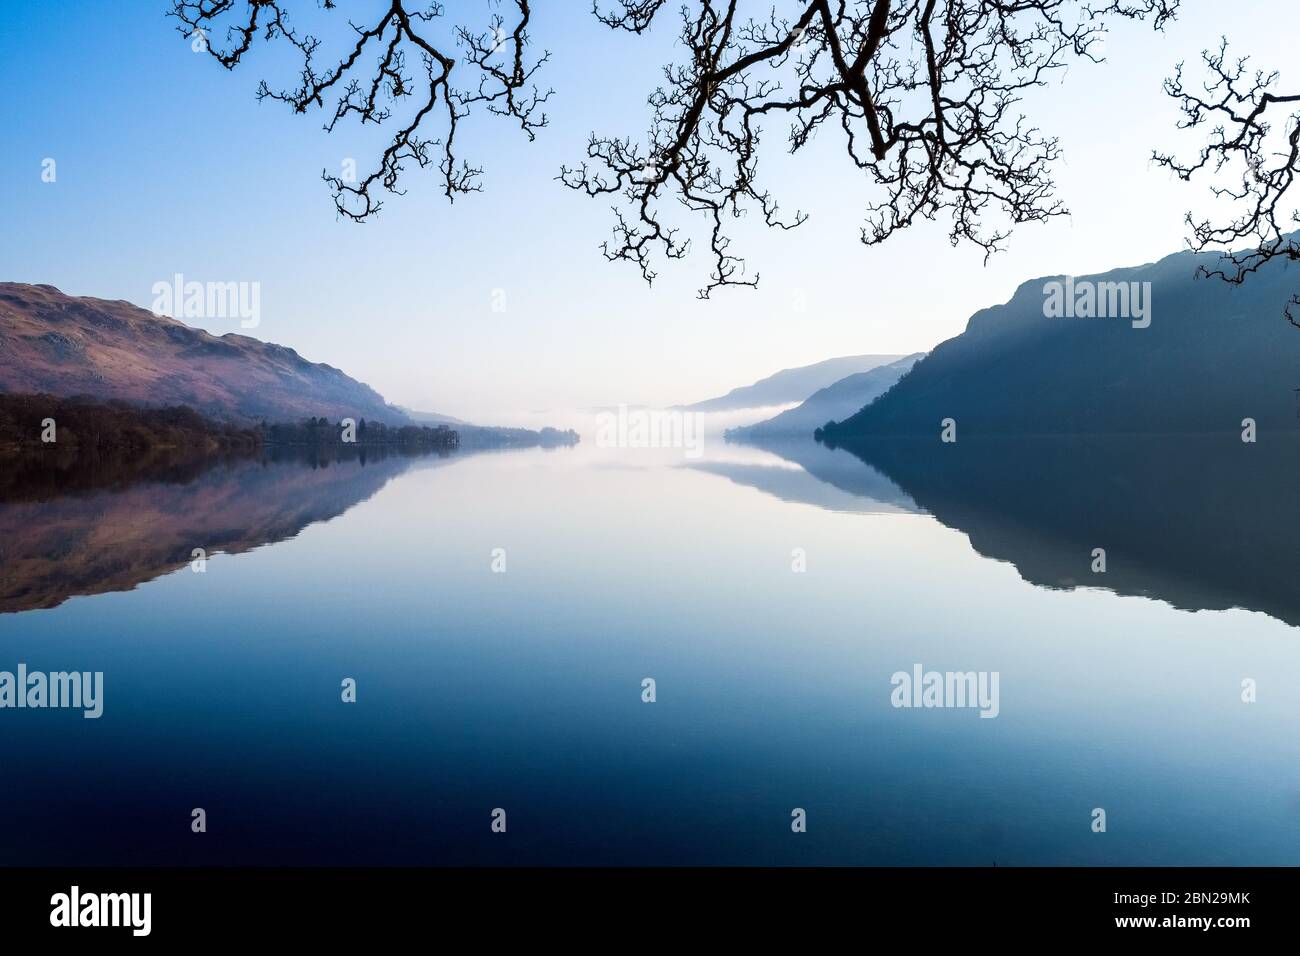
86, 425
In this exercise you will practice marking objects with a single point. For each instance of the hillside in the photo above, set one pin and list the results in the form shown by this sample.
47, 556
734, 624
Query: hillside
1212, 355
65, 345
792, 384
830, 404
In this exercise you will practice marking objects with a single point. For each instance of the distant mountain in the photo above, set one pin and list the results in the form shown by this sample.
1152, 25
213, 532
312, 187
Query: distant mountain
792, 384
832, 403
496, 436
429, 418
65, 345
1212, 354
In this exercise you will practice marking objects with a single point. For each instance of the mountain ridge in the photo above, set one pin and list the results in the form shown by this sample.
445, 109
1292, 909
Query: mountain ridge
791, 385
1018, 370
107, 349
837, 400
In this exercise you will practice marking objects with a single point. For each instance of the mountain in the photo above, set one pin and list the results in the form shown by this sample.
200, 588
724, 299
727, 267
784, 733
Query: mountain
65, 345
430, 418
1206, 355
496, 436
832, 403
792, 384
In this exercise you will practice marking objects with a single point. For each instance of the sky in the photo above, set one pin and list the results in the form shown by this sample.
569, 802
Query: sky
168, 164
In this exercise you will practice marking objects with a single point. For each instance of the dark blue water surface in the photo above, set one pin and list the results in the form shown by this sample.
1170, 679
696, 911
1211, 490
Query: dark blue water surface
522, 690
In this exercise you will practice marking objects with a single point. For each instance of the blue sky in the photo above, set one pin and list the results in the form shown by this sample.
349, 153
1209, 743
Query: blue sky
167, 164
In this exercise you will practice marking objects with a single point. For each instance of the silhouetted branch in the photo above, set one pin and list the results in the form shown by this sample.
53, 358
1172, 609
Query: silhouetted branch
1252, 158
368, 92
923, 92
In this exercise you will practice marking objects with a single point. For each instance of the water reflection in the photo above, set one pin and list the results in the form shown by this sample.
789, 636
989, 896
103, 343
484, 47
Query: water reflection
823, 477
1200, 522
71, 526
523, 689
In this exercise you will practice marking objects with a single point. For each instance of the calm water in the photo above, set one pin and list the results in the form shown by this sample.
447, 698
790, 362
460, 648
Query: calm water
522, 690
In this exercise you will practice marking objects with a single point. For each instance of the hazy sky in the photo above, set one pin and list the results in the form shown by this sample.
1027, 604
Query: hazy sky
167, 163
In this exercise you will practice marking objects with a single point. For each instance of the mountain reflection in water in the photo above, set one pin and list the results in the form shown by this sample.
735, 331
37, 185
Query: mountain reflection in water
1200, 522
72, 527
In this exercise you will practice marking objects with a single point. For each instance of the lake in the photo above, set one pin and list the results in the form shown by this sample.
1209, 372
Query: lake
500, 611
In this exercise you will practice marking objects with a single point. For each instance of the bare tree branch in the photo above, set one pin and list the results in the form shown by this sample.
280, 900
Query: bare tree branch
924, 92
1252, 158
372, 76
